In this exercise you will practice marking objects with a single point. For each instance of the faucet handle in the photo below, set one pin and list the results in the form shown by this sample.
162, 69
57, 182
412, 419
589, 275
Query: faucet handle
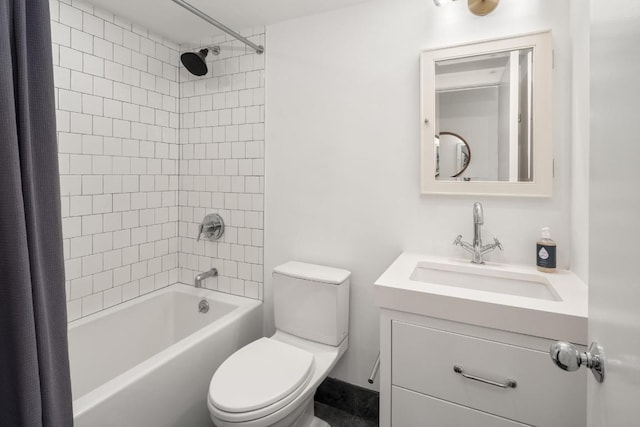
212, 227
200, 229
458, 240
497, 243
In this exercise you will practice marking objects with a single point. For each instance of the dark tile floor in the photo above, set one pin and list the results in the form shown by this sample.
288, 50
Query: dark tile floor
338, 418
349, 399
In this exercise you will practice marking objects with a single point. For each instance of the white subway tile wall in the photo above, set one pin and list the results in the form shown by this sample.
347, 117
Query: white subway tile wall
126, 114
117, 105
222, 165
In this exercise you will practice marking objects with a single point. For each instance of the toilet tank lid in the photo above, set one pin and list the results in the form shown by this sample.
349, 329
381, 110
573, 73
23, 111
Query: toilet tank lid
318, 273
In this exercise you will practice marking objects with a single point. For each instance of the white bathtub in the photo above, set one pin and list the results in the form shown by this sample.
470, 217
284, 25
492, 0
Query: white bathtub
148, 362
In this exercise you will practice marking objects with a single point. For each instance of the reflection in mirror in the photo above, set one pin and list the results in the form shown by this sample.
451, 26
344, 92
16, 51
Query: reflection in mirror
452, 156
487, 98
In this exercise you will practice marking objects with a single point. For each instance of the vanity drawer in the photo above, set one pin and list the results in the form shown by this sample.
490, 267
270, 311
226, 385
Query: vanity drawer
423, 360
411, 409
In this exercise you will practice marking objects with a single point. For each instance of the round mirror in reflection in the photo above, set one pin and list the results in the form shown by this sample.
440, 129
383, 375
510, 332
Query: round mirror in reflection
452, 155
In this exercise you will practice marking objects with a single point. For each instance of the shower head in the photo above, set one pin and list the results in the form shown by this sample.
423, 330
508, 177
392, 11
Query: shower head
195, 62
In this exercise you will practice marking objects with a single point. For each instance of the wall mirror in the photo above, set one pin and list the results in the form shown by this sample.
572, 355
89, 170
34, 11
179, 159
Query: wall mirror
486, 112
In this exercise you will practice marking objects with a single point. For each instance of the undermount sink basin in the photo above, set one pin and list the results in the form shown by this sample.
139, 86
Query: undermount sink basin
474, 278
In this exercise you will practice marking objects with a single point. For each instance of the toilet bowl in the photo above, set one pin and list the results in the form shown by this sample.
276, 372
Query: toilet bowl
272, 381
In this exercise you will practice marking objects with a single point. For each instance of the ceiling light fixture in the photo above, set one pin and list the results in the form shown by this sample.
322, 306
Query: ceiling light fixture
477, 7
482, 7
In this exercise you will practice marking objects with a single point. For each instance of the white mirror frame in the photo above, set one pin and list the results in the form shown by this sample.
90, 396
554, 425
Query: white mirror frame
542, 184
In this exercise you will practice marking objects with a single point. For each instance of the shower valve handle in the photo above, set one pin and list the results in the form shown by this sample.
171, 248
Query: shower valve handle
211, 228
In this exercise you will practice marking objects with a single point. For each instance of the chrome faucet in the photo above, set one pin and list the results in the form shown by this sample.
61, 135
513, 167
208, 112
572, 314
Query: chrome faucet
200, 277
477, 249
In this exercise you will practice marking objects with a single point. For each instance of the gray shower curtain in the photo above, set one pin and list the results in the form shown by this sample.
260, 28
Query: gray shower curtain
34, 368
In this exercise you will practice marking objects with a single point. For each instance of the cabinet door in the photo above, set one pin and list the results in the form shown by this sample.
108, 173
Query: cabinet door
411, 409
423, 360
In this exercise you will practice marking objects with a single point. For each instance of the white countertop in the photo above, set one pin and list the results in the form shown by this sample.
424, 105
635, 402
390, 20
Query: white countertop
565, 319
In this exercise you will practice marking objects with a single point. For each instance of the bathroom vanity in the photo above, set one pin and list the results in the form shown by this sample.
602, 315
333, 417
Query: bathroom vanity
464, 344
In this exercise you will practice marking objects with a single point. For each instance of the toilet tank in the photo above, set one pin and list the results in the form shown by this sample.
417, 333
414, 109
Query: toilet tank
311, 301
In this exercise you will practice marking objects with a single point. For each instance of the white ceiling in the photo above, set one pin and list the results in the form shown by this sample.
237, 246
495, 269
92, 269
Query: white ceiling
166, 18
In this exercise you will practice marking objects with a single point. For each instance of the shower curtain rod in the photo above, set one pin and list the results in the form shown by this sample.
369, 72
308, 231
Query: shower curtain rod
259, 49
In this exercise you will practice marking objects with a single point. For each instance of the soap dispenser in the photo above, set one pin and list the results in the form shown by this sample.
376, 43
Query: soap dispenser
546, 252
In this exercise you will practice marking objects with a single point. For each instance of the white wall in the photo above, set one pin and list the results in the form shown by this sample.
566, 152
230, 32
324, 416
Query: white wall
116, 106
580, 29
342, 148
222, 165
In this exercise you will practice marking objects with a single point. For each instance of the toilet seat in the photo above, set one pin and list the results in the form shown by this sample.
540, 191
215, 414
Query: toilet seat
259, 379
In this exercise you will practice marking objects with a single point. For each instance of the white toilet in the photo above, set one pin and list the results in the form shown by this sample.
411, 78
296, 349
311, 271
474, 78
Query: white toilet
271, 382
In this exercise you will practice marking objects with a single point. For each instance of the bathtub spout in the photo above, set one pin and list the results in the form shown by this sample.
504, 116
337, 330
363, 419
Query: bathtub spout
200, 277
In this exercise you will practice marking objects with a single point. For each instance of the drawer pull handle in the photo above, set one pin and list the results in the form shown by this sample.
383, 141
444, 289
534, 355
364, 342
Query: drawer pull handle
507, 384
